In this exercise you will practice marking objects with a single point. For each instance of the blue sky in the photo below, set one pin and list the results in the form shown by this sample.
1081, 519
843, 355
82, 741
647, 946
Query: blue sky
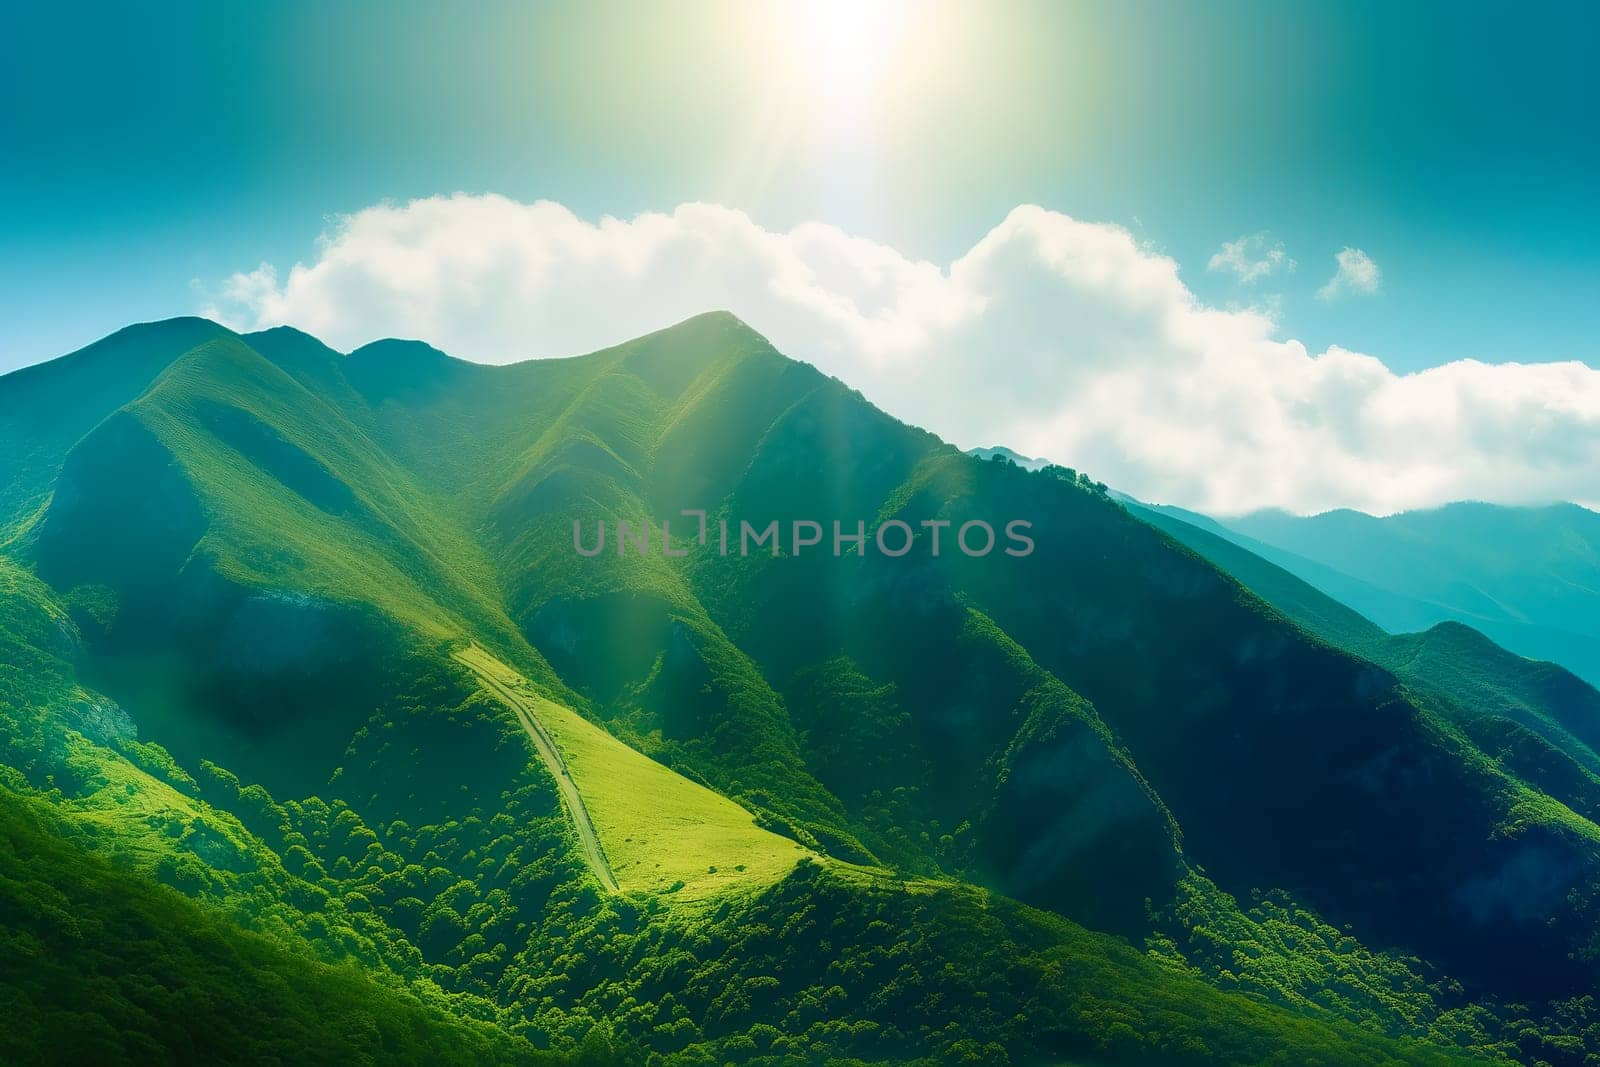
141, 152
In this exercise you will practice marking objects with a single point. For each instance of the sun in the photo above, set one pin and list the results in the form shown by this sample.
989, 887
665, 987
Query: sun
843, 47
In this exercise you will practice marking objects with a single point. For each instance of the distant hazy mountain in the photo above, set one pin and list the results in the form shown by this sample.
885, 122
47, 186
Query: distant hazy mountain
309, 637
1527, 577
1001, 451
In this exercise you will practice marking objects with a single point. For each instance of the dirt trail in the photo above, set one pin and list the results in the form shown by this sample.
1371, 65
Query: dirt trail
497, 679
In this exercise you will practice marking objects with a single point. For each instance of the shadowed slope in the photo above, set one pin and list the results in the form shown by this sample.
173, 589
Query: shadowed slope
1536, 719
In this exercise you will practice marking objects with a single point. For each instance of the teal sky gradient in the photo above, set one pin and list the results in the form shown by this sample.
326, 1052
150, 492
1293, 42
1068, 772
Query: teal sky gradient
142, 153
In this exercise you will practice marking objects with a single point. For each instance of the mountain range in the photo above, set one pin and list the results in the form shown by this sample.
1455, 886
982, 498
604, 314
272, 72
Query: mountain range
299, 665
1527, 577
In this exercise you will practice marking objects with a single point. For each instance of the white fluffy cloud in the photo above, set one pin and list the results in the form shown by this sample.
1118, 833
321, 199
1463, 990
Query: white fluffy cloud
1357, 273
1251, 258
1054, 336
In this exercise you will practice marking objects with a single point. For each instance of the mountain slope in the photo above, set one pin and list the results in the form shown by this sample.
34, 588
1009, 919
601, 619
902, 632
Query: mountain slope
760, 635
1527, 577
45, 409
666, 833
1536, 719
934, 970
275, 556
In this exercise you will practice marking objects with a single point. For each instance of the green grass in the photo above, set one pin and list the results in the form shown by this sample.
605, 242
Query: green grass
662, 833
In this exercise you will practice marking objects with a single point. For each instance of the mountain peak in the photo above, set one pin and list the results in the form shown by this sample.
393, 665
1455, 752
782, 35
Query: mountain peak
717, 317
143, 344
282, 334
715, 330
292, 349
395, 366
670, 358
400, 350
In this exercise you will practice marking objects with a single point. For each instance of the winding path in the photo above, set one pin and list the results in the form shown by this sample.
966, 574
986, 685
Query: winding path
478, 662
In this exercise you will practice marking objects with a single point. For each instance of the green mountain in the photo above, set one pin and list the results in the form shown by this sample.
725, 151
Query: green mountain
312, 645
1529, 578
1497, 696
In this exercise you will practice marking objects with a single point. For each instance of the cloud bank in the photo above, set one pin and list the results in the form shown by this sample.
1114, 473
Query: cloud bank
1054, 336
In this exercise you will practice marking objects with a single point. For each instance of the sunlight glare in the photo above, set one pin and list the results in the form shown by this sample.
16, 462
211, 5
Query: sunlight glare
845, 45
